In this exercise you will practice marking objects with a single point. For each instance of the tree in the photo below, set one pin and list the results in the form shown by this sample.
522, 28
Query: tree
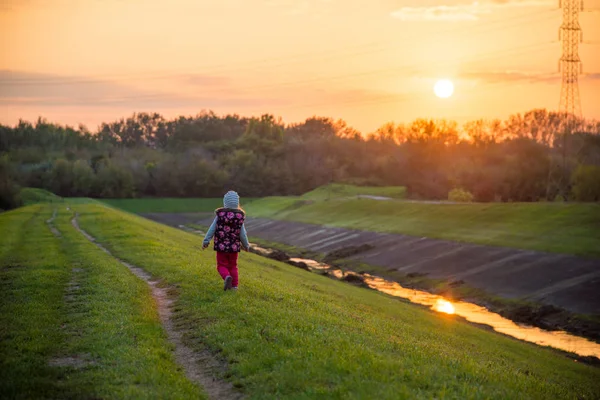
586, 183
83, 179
113, 182
313, 128
61, 178
266, 128
525, 157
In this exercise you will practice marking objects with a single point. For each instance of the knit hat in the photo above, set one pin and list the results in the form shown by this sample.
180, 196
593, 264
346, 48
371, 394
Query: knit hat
231, 200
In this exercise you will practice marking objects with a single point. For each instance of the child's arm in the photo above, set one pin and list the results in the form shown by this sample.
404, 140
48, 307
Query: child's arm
244, 238
210, 233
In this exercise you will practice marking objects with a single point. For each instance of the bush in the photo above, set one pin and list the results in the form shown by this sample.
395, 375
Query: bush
586, 183
83, 179
460, 195
61, 177
9, 195
9, 191
113, 182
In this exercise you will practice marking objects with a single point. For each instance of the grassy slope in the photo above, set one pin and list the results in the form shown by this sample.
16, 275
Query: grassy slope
336, 190
555, 227
169, 205
34, 196
166, 205
109, 326
287, 332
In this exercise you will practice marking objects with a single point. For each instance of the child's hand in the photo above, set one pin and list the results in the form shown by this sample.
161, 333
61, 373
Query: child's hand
204, 245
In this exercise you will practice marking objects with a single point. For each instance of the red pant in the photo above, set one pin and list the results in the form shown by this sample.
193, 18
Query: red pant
227, 266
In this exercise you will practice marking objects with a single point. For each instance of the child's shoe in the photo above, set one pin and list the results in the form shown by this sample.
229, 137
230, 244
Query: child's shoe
234, 288
227, 284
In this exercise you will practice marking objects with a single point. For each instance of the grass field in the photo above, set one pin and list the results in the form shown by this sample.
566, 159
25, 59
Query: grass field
184, 205
285, 334
165, 205
572, 228
74, 323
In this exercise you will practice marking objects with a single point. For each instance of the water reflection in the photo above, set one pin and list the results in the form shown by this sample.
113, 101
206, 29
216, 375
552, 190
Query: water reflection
444, 306
471, 312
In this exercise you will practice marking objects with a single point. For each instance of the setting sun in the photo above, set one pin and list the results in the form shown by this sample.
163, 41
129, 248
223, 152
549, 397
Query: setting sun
443, 88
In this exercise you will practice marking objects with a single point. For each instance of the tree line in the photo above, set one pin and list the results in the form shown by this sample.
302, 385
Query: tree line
538, 155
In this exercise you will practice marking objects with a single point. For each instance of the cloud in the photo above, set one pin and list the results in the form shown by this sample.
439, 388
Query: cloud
592, 77
300, 7
511, 77
522, 3
438, 13
39, 85
521, 76
204, 80
19, 88
462, 12
13, 5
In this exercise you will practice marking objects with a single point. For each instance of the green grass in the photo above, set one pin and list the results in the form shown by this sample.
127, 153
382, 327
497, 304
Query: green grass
337, 190
166, 205
571, 228
101, 339
286, 333
34, 196
289, 333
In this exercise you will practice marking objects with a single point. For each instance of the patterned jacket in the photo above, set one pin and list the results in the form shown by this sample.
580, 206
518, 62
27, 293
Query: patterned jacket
228, 230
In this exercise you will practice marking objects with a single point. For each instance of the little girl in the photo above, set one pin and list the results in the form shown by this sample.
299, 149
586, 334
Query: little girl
230, 237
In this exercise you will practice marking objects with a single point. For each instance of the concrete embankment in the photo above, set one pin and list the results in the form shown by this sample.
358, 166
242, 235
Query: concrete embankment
561, 280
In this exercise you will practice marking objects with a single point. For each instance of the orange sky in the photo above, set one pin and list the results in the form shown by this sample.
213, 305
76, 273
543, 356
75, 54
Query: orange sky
365, 61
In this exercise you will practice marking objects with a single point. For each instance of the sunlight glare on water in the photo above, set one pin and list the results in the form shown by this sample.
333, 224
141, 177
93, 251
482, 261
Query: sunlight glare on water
481, 315
444, 306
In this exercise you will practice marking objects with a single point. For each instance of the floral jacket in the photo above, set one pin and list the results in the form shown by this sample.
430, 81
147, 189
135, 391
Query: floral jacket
228, 231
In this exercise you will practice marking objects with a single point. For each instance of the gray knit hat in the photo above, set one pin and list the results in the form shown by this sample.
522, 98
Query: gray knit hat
231, 200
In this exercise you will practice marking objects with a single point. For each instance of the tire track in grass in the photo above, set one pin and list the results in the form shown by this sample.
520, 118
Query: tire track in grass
50, 223
71, 296
198, 366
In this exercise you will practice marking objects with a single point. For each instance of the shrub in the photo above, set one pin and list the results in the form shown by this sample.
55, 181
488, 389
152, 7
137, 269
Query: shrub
83, 179
460, 195
586, 183
61, 177
9, 191
113, 181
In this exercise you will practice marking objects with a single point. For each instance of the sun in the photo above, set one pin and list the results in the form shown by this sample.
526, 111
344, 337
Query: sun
443, 88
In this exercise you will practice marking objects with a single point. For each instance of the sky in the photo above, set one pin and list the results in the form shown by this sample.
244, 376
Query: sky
367, 62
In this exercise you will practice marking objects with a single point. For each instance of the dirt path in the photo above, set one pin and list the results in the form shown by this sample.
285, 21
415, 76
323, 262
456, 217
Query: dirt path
199, 367
50, 223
